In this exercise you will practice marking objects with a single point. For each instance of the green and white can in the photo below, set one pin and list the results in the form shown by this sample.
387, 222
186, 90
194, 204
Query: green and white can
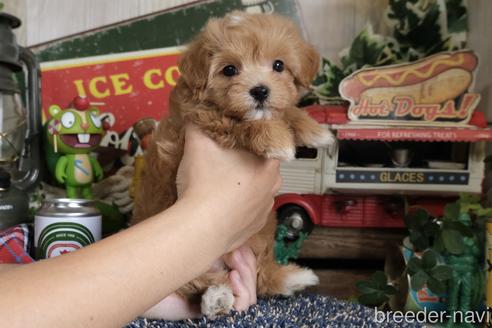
64, 225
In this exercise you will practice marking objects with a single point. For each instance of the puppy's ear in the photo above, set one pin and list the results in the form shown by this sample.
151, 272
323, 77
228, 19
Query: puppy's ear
308, 65
194, 65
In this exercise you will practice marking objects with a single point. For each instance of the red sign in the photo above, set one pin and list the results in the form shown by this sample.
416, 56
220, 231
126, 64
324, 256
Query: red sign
129, 86
433, 90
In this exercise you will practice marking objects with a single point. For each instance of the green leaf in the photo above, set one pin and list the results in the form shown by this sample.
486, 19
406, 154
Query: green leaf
366, 287
389, 290
432, 227
457, 16
414, 265
436, 286
452, 211
380, 279
373, 299
418, 280
419, 241
418, 24
468, 199
484, 212
442, 272
453, 241
367, 49
429, 260
417, 218
439, 244
325, 84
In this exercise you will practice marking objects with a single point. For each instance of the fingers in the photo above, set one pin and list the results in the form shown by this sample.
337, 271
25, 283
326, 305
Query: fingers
250, 275
240, 291
243, 277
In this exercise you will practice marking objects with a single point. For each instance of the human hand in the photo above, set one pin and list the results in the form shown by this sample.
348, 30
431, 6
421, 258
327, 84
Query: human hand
242, 279
237, 186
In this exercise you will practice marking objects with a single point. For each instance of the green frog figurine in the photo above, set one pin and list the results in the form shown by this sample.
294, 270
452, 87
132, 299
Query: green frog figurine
74, 133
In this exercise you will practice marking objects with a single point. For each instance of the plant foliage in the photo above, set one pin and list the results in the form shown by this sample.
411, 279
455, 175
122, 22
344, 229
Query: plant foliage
444, 234
375, 291
419, 28
426, 271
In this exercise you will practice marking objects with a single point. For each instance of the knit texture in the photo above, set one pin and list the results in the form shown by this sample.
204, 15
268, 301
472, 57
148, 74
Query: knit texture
300, 311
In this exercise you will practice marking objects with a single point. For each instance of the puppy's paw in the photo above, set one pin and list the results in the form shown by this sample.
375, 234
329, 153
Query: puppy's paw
285, 154
298, 280
320, 137
217, 300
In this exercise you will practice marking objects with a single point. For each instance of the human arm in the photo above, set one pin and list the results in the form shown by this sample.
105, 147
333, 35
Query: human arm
7, 266
109, 283
242, 276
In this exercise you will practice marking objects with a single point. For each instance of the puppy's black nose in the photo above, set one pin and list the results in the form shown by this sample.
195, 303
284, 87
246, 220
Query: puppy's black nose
259, 93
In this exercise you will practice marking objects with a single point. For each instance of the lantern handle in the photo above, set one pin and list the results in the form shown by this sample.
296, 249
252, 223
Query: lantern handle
30, 161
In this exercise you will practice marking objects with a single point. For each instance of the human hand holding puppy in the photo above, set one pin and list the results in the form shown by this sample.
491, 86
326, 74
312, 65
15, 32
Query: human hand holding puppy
242, 276
232, 181
235, 182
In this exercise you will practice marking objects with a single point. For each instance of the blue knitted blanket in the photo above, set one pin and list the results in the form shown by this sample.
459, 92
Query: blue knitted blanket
300, 311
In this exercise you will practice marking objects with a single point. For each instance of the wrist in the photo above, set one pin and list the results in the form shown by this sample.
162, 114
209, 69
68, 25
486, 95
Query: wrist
206, 218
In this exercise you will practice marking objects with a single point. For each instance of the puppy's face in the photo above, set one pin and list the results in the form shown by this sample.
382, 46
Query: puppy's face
249, 66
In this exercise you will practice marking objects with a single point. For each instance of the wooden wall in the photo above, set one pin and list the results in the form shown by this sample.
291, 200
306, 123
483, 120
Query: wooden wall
331, 24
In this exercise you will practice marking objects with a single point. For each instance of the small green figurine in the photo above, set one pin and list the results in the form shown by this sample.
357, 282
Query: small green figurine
464, 281
284, 250
75, 132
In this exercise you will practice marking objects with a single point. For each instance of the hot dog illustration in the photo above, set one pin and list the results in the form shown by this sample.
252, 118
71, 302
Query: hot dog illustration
431, 80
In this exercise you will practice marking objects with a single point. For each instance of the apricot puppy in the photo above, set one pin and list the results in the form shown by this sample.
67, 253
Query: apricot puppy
240, 81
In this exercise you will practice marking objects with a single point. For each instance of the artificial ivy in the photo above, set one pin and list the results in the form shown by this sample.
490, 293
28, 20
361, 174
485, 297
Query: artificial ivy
419, 28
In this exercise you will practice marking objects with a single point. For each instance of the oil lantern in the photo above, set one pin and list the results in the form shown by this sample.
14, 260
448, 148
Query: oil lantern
20, 112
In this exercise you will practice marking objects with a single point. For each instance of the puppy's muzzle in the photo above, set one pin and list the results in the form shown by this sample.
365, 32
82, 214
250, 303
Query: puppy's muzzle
259, 93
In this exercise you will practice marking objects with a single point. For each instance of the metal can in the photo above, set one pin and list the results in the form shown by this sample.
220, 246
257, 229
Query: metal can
64, 225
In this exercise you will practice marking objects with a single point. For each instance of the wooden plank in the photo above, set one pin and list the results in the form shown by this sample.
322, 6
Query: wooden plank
350, 243
339, 283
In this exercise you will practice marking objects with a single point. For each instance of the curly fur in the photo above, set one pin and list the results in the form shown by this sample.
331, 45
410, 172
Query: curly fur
224, 109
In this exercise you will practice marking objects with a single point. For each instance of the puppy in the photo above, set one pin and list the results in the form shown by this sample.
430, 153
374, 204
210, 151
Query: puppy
240, 81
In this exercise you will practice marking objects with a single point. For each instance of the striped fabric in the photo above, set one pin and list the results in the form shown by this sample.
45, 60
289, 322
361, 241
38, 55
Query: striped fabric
14, 244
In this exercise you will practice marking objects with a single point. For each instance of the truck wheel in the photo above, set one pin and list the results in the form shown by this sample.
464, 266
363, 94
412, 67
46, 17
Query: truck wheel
296, 220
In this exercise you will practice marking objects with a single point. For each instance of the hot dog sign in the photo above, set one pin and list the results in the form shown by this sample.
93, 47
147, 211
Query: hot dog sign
433, 90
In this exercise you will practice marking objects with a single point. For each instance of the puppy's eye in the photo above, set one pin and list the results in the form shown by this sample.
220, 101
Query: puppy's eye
230, 70
278, 65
